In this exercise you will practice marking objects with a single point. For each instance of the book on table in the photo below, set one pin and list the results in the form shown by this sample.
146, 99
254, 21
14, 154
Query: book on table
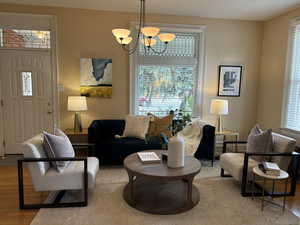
148, 157
270, 168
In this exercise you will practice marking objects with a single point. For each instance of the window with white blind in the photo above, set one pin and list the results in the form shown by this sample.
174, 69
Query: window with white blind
169, 81
291, 108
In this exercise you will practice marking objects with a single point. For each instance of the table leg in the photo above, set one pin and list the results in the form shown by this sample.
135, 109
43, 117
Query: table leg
263, 194
252, 188
273, 188
285, 193
190, 189
130, 184
236, 145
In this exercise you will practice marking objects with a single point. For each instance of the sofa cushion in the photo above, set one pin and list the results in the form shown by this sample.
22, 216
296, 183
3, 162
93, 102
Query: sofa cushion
282, 144
160, 125
259, 142
136, 126
58, 146
233, 163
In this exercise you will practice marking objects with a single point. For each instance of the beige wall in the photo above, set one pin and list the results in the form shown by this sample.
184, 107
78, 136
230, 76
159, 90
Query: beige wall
87, 33
271, 81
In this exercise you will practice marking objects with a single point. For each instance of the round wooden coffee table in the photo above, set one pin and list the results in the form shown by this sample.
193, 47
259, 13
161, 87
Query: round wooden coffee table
155, 188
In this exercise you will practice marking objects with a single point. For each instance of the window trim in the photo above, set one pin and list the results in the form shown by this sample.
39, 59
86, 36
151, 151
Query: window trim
133, 63
287, 74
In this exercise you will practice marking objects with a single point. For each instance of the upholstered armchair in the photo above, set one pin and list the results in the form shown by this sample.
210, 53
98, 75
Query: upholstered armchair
79, 175
239, 165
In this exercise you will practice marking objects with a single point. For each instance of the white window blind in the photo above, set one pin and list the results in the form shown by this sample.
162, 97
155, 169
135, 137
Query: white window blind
168, 81
292, 106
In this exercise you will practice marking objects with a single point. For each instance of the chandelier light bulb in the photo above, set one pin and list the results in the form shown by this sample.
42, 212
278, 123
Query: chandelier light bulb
166, 37
148, 42
150, 32
121, 33
124, 41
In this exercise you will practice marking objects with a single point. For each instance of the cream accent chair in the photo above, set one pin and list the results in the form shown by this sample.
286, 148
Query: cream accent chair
240, 165
79, 175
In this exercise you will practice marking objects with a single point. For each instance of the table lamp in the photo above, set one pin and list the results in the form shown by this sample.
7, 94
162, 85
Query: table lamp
219, 107
77, 104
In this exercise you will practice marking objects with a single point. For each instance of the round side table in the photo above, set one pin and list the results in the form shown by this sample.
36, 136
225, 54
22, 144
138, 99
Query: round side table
283, 176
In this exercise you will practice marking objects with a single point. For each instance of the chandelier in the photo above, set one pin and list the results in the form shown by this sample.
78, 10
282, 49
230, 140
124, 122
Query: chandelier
147, 35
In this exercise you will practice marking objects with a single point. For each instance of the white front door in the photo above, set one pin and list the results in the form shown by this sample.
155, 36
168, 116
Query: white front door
27, 93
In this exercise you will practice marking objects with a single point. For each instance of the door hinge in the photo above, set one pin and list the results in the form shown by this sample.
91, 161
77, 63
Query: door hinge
2, 102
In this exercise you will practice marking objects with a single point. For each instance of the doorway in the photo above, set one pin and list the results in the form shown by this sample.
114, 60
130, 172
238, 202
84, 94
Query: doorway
27, 83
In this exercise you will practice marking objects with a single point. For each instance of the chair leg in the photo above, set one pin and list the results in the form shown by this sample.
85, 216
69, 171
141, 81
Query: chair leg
223, 173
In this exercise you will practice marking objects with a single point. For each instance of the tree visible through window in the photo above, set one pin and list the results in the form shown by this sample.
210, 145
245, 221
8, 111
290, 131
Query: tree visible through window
165, 88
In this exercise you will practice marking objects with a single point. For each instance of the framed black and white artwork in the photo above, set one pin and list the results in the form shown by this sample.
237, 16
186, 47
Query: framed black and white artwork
230, 78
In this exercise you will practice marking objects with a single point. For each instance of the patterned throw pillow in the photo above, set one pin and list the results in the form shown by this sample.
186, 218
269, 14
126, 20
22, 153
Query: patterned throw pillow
259, 141
160, 125
58, 146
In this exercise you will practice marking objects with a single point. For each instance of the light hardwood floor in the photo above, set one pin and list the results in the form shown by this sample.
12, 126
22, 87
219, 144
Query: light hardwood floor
11, 215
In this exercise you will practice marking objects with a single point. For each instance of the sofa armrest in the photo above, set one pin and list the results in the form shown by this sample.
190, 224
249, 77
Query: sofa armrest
225, 143
92, 131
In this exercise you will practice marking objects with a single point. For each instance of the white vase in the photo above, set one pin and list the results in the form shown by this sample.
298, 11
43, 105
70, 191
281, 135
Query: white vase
176, 152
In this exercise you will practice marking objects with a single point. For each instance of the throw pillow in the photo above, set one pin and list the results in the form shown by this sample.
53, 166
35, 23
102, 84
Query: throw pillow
160, 125
136, 126
58, 146
259, 141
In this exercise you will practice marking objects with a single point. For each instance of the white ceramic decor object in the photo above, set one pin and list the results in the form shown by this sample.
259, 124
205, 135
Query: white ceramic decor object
176, 152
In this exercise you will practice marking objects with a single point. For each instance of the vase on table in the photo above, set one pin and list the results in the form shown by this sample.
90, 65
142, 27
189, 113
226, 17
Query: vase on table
176, 152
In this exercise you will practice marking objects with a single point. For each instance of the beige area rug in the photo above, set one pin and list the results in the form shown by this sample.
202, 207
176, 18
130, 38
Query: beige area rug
220, 203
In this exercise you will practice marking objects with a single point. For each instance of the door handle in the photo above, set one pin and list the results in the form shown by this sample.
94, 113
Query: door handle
49, 112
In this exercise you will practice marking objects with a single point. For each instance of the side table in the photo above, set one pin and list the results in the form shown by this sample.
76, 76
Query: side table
283, 176
228, 133
79, 141
77, 137
86, 146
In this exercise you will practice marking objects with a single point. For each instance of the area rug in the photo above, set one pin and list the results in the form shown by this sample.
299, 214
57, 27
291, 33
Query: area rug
220, 203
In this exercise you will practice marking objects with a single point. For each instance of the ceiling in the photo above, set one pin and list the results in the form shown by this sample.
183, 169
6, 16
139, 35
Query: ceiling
226, 9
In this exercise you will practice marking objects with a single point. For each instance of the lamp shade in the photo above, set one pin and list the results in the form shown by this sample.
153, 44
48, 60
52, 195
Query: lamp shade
166, 37
150, 31
77, 103
219, 107
121, 33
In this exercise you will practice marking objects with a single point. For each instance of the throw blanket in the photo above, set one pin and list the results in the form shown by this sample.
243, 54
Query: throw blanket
192, 135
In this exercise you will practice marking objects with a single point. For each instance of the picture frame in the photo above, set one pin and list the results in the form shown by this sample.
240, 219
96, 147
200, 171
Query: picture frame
230, 79
96, 77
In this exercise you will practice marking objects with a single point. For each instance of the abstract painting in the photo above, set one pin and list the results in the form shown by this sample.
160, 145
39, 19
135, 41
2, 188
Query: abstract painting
230, 80
96, 77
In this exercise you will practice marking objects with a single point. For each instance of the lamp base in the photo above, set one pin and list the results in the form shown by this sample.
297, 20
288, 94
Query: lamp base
220, 125
77, 122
